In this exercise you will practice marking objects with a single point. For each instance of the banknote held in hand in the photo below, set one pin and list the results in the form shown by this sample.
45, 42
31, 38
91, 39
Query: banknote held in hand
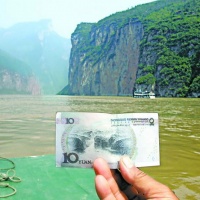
82, 137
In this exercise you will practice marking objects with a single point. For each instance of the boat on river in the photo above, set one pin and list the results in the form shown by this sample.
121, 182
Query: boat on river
146, 94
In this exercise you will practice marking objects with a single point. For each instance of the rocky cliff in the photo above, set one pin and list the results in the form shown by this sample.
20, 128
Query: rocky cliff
16, 77
14, 83
111, 68
152, 47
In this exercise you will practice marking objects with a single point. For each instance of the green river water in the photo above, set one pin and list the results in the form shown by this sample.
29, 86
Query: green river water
27, 128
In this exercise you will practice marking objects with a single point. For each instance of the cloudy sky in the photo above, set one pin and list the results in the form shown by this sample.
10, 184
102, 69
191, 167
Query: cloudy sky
65, 14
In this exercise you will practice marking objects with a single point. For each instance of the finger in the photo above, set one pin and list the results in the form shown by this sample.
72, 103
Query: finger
143, 183
125, 187
101, 168
103, 189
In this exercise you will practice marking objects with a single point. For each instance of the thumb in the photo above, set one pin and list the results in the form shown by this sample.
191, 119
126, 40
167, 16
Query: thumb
143, 183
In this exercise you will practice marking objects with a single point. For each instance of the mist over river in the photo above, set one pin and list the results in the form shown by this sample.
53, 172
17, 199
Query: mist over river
27, 128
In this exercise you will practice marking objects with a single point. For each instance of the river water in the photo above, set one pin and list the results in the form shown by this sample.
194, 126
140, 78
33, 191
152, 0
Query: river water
27, 128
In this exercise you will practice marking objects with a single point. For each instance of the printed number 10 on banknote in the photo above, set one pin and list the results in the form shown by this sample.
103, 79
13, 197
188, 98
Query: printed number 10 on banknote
83, 137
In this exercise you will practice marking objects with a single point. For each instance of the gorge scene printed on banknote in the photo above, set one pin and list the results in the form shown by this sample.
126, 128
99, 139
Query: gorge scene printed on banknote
82, 137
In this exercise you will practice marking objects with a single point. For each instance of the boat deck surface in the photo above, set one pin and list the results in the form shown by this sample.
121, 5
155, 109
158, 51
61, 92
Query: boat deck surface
42, 180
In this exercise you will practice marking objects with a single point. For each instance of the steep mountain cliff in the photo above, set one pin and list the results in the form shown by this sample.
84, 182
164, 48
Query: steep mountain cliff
37, 45
152, 47
16, 77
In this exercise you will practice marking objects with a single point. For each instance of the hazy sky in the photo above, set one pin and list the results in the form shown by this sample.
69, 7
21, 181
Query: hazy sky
65, 14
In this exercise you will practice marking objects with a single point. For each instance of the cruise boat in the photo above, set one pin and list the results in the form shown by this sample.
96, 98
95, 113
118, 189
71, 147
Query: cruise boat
146, 94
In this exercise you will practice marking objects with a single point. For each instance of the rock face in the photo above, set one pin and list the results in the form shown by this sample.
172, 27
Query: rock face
14, 83
115, 71
16, 77
152, 47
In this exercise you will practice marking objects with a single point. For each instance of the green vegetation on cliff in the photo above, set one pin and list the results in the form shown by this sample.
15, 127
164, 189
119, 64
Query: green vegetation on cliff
175, 32
169, 60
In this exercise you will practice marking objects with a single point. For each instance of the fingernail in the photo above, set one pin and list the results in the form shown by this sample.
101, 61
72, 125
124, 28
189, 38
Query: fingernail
127, 162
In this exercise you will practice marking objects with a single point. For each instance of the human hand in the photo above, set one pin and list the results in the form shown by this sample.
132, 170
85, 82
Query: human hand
135, 184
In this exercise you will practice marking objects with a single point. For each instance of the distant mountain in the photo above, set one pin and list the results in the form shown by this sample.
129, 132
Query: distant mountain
37, 45
16, 77
152, 47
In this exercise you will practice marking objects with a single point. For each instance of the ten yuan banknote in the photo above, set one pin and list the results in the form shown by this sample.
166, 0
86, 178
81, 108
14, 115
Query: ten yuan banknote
83, 137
